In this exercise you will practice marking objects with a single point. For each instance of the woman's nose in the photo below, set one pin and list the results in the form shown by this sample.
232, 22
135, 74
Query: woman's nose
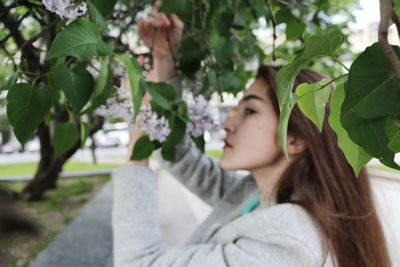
229, 125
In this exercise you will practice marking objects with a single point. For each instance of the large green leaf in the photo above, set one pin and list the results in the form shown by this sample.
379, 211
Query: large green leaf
177, 132
77, 85
27, 106
143, 148
192, 53
64, 137
136, 81
393, 133
133, 70
294, 27
183, 8
96, 17
319, 45
355, 155
312, 101
372, 97
137, 100
105, 7
80, 39
162, 94
373, 90
85, 131
103, 86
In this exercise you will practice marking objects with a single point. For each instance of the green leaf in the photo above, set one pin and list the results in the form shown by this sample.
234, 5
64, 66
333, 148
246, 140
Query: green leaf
77, 85
80, 39
192, 53
373, 90
137, 100
183, 8
355, 155
103, 86
105, 7
84, 133
96, 17
183, 111
143, 148
133, 70
10, 82
312, 100
295, 29
26, 108
393, 133
318, 45
200, 143
162, 94
64, 137
371, 99
178, 128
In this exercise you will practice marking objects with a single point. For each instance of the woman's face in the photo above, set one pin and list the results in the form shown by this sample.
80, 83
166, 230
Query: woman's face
252, 139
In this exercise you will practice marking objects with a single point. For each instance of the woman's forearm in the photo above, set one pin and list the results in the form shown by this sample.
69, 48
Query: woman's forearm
164, 68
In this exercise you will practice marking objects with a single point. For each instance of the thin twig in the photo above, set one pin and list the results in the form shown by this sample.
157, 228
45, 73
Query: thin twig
386, 7
10, 56
396, 20
273, 20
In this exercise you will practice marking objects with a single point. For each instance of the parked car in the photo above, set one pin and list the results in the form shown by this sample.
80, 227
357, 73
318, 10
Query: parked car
102, 139
11, 147
32, 145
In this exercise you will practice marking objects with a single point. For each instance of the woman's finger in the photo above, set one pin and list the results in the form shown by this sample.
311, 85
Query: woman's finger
160, 16
175, 21
155, 8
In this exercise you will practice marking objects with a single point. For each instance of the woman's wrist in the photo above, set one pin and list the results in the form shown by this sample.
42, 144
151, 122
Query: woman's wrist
164, 68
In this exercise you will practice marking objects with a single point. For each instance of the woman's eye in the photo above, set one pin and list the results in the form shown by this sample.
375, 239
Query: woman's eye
249, 111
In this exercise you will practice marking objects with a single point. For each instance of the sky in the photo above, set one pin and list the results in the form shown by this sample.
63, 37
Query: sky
368, 14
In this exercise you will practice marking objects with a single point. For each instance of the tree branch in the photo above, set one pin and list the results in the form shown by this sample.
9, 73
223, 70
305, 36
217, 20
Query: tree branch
386, 8
27, 53
273, 20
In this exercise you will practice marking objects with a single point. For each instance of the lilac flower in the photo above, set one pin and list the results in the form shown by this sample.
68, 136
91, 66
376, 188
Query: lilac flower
157, 128
65, 9
201, 117
119, 106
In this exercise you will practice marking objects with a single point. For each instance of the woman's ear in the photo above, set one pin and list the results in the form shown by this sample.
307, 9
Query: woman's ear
295, 145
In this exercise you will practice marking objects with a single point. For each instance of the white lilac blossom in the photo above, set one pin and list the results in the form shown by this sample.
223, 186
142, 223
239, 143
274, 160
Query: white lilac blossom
156, 128
201, 117
119, 106
65, 9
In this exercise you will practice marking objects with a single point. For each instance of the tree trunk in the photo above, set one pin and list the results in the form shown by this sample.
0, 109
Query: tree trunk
49, 168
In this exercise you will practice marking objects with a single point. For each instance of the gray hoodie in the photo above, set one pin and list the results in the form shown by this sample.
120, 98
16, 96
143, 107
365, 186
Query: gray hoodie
272, 235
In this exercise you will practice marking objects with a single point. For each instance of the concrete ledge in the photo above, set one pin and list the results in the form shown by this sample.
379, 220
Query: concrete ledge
384, 174
87, 240
63, 175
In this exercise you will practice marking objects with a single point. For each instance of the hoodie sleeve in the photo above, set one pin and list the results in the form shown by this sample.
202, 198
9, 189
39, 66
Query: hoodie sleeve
200, 173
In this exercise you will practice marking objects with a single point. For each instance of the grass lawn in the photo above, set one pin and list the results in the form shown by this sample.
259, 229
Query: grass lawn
215, 153
19, 169
51, 215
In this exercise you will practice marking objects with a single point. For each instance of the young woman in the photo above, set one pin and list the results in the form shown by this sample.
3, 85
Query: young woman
307, 211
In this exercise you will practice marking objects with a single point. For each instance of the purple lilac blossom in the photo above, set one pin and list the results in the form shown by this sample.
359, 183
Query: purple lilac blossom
118, 107
201, 117
156, 128
65, 9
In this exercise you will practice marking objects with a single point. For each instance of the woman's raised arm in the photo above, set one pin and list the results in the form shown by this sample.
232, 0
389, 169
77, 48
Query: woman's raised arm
201, 174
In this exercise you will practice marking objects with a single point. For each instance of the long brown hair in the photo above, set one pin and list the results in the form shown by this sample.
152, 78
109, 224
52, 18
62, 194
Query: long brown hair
326, 187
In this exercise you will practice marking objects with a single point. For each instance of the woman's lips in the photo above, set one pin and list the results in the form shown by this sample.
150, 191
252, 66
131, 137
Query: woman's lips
227, 145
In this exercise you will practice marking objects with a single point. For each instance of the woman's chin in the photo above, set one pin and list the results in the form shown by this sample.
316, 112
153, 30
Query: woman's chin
227, 164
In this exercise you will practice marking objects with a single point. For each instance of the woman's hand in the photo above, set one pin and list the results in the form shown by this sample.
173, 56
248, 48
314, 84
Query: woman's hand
162, 33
